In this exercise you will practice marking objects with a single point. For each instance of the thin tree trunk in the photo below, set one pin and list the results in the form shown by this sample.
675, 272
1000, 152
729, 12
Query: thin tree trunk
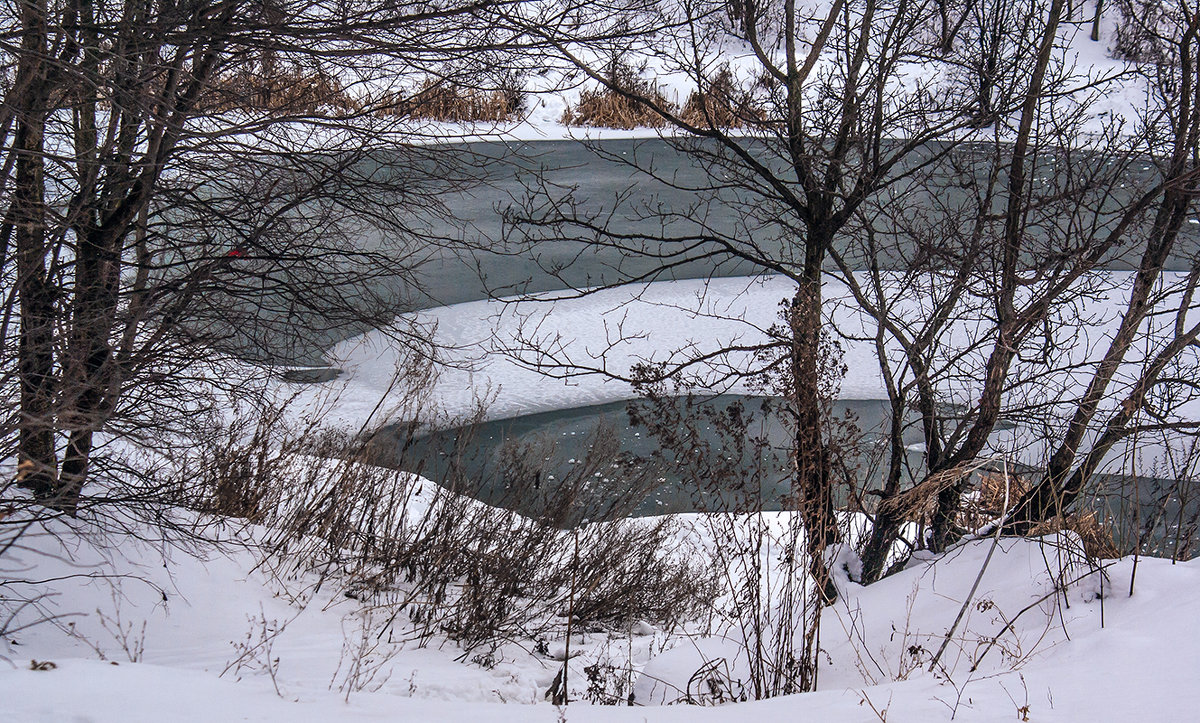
35, 353
1058, 487
1008, 321
950, 33
93, 310
813, 485
88, 356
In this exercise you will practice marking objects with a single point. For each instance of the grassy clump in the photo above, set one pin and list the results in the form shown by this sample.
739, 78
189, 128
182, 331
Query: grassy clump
626, 102
988, 505
720, 102
284, 91
440, 100
1095, 536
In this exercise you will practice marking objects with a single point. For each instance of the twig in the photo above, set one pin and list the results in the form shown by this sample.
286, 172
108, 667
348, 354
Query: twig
1031, 606
966, 603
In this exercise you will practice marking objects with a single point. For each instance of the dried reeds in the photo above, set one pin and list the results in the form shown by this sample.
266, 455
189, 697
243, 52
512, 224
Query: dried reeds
1094, 535
627, 101
439, 100
288, 91
720, 102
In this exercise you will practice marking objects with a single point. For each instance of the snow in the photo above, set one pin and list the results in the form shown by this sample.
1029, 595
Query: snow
144, 626
1094, 652
224, 635
1117, 96
490, 359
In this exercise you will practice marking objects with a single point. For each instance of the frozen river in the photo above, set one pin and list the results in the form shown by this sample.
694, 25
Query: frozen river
475, 258
560, 421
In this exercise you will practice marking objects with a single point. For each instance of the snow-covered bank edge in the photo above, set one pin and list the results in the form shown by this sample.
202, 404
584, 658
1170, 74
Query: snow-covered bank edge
497, 353
1090, 652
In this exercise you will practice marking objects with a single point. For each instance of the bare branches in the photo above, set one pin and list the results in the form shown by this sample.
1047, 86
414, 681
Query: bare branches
171, 198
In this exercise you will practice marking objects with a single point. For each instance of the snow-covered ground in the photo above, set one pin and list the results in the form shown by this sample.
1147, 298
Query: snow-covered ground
144, 628
150, 632
552, 90
498, 353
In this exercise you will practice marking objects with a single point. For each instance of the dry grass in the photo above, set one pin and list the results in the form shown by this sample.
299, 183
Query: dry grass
289, 91
988, 505
720, 103
626, 108
451, 565
992, 490
1096, 537
439, 100
988, 502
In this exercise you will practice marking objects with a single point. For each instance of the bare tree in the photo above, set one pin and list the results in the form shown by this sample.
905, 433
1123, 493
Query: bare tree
1173, 125
826, 135
208, 176
822, 138
816, 143
1063, 213
823, 164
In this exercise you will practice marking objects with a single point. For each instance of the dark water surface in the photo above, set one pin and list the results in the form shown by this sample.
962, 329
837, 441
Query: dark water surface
604, 464
532, 463
593, 463
475, 254
604, 181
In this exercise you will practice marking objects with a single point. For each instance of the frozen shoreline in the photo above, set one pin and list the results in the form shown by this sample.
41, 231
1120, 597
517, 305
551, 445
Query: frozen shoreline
488, 359
185, 625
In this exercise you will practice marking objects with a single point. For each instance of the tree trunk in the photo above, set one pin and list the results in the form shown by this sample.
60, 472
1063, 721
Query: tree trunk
1053, 494
97, 270
813, 484
35, 348
1059, 486
1009, 321
88, 359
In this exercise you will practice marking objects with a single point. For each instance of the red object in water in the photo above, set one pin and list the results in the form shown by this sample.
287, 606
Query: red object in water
235, 254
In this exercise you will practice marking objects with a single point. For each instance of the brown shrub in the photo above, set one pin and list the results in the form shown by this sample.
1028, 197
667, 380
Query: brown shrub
626, 109
292, 90
720, 103
1096, 537
988, 504
439, 100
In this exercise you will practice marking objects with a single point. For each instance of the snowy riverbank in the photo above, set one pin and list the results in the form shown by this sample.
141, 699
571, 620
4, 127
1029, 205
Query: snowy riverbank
223, 639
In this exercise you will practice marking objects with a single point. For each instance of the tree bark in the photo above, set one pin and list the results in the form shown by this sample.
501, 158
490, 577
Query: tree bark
813, 484
36, 451
1061, 484
1009, 322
